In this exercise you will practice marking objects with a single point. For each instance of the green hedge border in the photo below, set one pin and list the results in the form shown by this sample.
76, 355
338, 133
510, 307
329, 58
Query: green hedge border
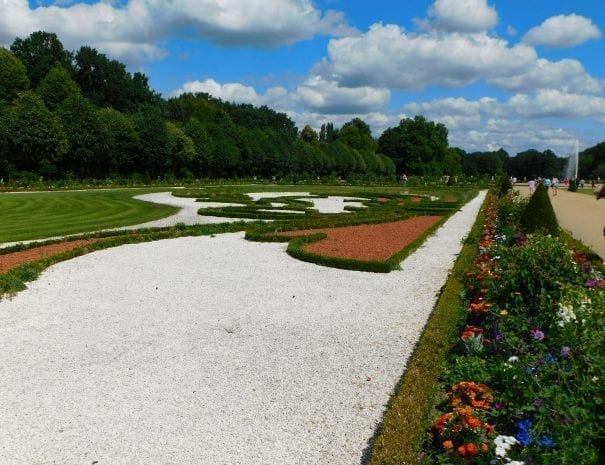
401, 435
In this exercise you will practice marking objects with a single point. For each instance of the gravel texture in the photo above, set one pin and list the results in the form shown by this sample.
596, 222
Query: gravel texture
210, 350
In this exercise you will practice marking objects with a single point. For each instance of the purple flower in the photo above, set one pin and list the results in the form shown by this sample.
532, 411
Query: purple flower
592, 283
565, 350
520, 239
537, 402
586, 267
537, 334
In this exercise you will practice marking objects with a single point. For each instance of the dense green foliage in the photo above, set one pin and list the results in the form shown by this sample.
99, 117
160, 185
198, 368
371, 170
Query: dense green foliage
521, 384
146, 137
539, 214
592, 162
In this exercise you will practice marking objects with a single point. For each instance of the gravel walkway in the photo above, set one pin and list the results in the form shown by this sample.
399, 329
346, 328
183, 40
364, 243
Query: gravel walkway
210, 351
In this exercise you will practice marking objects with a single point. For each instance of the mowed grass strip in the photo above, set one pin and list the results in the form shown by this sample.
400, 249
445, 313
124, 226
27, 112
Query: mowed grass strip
39, 215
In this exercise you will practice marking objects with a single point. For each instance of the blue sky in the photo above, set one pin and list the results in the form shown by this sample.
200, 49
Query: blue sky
498, 73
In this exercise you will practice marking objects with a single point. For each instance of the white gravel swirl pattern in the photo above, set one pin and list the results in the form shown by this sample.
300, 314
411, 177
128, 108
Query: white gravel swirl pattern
210, 351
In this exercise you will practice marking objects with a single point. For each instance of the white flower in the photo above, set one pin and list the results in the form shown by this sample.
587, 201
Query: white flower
565, 315
513, 359
594, 379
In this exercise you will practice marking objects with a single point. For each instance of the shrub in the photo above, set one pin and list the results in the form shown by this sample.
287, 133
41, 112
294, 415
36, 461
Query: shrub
539, 215
573, 187
504, 185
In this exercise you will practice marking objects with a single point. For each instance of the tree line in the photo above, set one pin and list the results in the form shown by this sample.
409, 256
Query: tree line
79, 114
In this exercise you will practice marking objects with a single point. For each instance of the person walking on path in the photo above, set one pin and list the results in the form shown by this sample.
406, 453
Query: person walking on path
554, 186
532, 186
547, 183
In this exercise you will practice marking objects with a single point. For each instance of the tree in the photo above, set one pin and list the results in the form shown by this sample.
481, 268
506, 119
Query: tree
182, 151
154, 142
5, 119
416, 146
122, 141
39, 53
308, 134
88, 154
107, 83
203, 145
56, 86
357, 135
37, 139
13, 76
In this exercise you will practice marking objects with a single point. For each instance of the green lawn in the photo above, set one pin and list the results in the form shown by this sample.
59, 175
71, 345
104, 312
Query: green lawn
38, 215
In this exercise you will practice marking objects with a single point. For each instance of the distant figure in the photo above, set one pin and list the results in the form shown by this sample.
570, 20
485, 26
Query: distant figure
404, 179
532, 186
547, 183
601, 194
554, 186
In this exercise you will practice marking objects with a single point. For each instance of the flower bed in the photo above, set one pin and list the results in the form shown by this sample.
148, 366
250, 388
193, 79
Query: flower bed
524, 384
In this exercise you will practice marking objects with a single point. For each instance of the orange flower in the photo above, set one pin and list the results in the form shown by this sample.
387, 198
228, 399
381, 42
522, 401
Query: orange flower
473, 422
484, 447
472, 448
471, 331
442, 421
448, 444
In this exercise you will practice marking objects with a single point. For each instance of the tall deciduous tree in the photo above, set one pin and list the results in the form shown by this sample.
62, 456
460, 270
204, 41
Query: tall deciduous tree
123, 139
37, 139
107, 83
88, 154
56, 86
182, 151
416, 146
13, 76
357, 135
39, 52
154, 142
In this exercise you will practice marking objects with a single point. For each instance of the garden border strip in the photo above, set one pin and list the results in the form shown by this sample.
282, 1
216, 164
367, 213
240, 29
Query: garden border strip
400, 436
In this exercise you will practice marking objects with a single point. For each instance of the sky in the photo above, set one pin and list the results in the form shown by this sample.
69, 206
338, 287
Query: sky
506, 74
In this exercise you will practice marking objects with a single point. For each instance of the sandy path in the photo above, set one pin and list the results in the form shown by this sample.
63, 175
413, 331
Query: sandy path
581, 215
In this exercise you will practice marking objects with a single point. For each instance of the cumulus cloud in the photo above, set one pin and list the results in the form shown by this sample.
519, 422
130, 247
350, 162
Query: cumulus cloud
557, 103
566, 74
387, 56
563, 31
453, 112
313, 95
320, 95
142, 24
463, 15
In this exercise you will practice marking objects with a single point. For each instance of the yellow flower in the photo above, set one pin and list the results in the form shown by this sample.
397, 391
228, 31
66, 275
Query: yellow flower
503, 312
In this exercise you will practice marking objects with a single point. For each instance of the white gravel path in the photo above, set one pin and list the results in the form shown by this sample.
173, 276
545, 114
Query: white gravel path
210, 351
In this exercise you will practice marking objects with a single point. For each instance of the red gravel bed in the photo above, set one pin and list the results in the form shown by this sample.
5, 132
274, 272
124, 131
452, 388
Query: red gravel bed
369, 241
15, 259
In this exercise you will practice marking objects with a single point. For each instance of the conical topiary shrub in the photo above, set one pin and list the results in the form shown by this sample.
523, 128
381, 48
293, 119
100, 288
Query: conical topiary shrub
539, 215
504, 185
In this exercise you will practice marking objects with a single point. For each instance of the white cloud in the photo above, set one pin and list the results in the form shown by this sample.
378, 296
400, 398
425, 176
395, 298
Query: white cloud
557, 103
453, 112
229, 92
320, 95
565, 74
387, 56
142, 24
463, 15
563, 31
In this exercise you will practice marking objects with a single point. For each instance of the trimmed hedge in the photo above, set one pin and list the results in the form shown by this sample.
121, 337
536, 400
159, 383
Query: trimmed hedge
407, 419
539, 214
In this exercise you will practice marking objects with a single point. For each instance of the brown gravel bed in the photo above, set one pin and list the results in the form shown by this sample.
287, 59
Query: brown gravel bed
15, 259
368, 241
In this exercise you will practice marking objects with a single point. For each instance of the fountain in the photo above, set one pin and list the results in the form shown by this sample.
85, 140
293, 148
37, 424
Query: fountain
571, 170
